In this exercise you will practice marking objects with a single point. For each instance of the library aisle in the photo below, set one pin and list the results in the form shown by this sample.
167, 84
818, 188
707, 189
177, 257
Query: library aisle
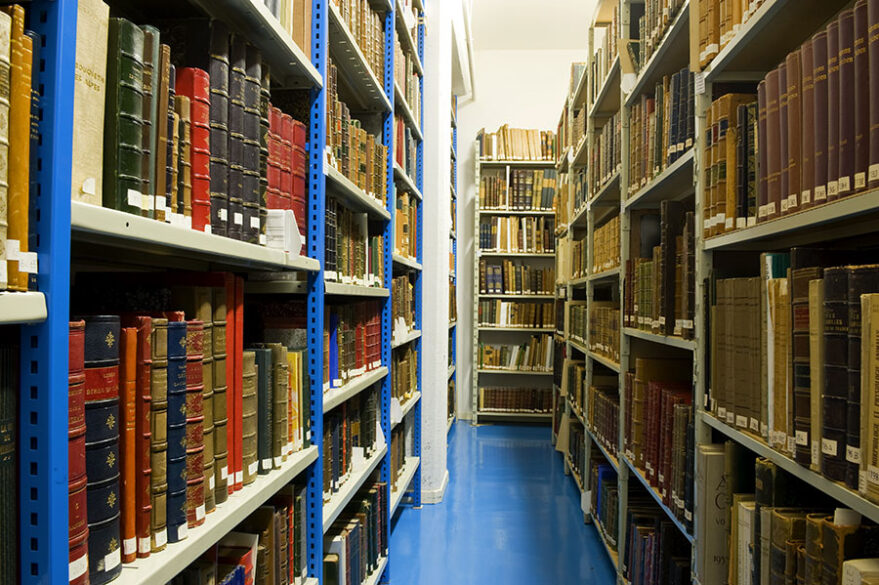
507, 517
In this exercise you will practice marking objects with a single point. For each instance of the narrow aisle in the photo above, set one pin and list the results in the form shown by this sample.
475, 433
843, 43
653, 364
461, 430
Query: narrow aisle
510, 516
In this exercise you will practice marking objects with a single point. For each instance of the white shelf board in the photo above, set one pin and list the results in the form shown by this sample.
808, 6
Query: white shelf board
675, 183
604, 275
605, 361
343, 497
578, 345
337, 396
672, 55
354, 70
607, 102
409, 337
608, 195
407, 406
528, 212
614, 555
118, 229
164, 566
669, 340
352, 195
376, 575
656, 496
408, 115
290, 66
579, 281
607, 455
407, 262
406, 475
513, 296
581, 154
836, 491
512, 372
523, 329
355, 290
407, 181
22, 307
517, 254
579, 217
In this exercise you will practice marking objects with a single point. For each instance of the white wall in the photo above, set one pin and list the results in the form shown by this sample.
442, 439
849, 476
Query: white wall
523, 88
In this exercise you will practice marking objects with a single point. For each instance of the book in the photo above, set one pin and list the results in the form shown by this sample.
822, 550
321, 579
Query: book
515, 399
351, 342
535, 235
516, 144
606, 246
534, 355
350, 425
76, 463
128, 440
497, 313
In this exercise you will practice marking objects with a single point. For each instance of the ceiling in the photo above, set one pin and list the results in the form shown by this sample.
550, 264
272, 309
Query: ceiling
531, 24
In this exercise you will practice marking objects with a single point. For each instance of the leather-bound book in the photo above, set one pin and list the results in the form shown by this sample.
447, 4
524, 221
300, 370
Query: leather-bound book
89, 93
172, 148
773, 145
160, 146
207, 374
861, 280
846, 107
238, 61
835, 394
19, 147
219, 143
158, 433
183, 107
195, 419
102, 446
150, 117
128, 440
195, 84
861, 98
870, 411
176, 463
264, 392
873, 57
123, 124
763, 157
249, 415
806, 128
672, 214
280, 402
793, 126
820, 116
264, 131
783, 158
251, 163
77, 480
833, 104
800, 278
236, 328
845, 541
5, 80
220, 390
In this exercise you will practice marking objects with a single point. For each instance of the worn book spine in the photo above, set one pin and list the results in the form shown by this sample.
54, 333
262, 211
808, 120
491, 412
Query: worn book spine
793, 126
123, 124
238, 63
820, 116
807, 129
160, 145
195, 423
816, 370
833, 104
861, 88
219, 141
158, 433
762, 156
873, 58
176, 455
183, 167
195, 84
220, 403
172, 214
783, 150
846, 113
773, 145
128, 440
250, 413
869, 467
835, 392
142, 431
800, 320
151, 63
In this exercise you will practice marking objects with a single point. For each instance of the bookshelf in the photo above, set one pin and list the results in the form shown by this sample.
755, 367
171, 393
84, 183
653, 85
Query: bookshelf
485, 333
75, 236
452, 377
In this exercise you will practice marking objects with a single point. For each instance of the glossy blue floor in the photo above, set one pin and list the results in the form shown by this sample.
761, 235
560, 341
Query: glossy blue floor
509, 516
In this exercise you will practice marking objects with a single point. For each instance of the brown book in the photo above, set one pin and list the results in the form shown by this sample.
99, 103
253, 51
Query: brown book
763, 153
833, 105
835, 392
793, 126
846, 111
773, 145
800, 320
873, 58
783, 152
159, 433
806, 127
861, 99
128, 440
820, 116
161, 145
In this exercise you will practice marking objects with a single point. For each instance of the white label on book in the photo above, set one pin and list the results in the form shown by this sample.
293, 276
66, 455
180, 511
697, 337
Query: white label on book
828, 447
662, 321
844, 184
239, 476
254, 223
730, 417
752, 221
207, 228
741, 222
267, 464
852, 454
784, 205
224, 472
253, 468
89, 186
27, 262
661, 478
199, 513
729, 223
873, 172
821, 193
212, 480
860, 180
238, 218
135, 198
78, 567
755, 425
699, 78
791, 444
149, 202
112, 560
741, 421
832, 188
721, 412
688, 515
802, 438
12, 249
806, 196
222, 213
816, 452
586, 501
143, 545
649, 467
764, 429
129, 546
262, 240
872, 474
161, 538
706, 224
277, 461
182, 531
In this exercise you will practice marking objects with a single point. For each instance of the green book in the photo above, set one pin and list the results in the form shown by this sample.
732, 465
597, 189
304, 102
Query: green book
151, 65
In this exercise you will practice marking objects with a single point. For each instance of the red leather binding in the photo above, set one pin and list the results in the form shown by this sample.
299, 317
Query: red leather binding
195, 84
76, 508
79, 559
238, 337
101, 383
233, 412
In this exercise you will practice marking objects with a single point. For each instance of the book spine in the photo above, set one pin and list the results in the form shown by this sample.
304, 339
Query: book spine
149, 118
195, 84
807, 128
158, 433
873, 58
846, 112
861, 98
793, 125
833, 104
76, 463
128, 440
835, 392
195, 424
820, 116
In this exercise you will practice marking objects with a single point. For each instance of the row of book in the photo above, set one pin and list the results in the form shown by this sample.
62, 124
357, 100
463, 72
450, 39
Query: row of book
183, 130
403, 306
527, 190
575, 324
605, 52
655, 551
662, 128
656, 19
452, 398
574, 383
404, 373
660, 288
453, 302
580, 181
453, 215
295, 18
603, 412
576, 455
657, 437
578, 127
719, 22
497, 313
405, 148
398, 455
562, 202
516, 144
511, 277
406, 77
564, 130
607, 153
605, 500
532, 356
351, 254
358, 540
604, 329
406, 225
805, 138
367, 26
535, 235
356, 153
515, 399
352, 342
606, 246
351, 433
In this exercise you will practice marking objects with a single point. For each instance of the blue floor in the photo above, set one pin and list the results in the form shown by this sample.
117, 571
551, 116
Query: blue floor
509, 516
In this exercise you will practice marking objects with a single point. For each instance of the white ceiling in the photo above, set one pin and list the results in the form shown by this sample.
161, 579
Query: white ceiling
531, 24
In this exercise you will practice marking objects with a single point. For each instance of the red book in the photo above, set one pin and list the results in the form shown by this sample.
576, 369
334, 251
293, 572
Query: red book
862, 98
873, 58
833, 105
128, 440
846, 109
820, 117
773, 146
238, 379
77, 501
287, 159
195, 84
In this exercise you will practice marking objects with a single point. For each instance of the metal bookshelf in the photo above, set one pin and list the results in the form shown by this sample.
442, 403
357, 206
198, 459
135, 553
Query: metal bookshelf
452, 379
66, 230
511, 334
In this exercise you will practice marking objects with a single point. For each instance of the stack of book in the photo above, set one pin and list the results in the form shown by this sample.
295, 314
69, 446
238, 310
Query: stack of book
367, 26
499, 313
603, 412
405, 147
514, 278
606, 242
529, 235
352, 255
358, 539
657, 18
515, 399
604, 329
351, 425
516, 144
607, 153
352, 342
662, 128
533, 356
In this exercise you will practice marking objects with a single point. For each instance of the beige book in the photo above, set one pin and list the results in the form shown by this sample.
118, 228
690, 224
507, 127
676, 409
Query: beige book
779, 334
869, 395
5, 81
816, 366
89, 88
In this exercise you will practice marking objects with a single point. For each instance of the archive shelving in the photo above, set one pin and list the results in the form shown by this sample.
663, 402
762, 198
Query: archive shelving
452, 377
511, 334
71, 232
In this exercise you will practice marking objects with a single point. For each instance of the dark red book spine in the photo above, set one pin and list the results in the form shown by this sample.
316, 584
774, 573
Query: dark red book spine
763, 167
846, 109
783, 151
77, 503
238, 379
833, 110
807, 106
873, 58
862, 98
195, 84
819, 116
773, 146
143, 432
128, 440
793, 126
